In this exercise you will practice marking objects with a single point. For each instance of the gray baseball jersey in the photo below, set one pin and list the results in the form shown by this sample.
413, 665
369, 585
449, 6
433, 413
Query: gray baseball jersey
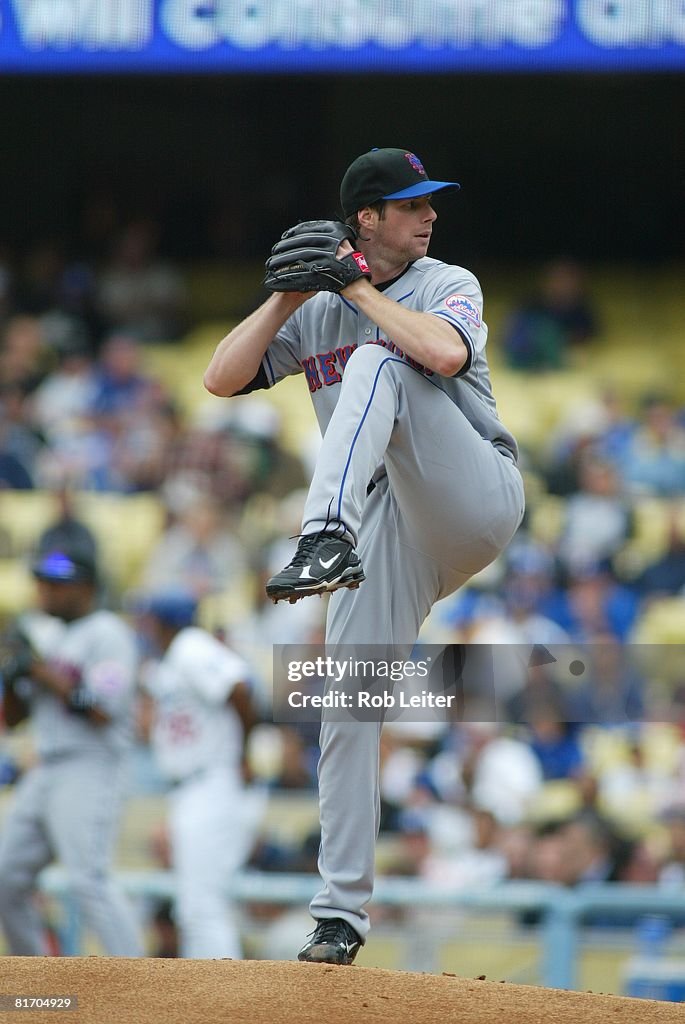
321, 336
99, 650
422, 474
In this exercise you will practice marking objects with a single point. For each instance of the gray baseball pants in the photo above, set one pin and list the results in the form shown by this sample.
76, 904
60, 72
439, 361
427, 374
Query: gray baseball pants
66, 811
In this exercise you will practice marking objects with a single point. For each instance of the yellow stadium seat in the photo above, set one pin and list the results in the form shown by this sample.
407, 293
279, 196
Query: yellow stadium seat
217, 611
180, 369
556, 800
16, 587
546, 518
533, 405
24, 515
650, 533
663, 622
126, 527
631, 369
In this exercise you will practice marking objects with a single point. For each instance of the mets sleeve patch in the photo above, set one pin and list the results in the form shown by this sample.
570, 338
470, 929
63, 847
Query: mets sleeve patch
462, 305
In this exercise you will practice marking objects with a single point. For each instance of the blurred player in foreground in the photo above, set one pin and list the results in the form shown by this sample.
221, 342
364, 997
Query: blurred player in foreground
200, 714
71, 666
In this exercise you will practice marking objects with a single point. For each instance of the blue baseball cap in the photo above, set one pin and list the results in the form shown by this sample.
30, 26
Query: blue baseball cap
64, 566
386, 174
175, 607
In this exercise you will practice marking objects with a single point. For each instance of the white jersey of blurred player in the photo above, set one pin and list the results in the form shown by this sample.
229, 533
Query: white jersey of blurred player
68, 807
197, 738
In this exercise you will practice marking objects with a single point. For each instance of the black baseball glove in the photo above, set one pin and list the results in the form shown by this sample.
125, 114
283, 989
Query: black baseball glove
16, 655
304, 259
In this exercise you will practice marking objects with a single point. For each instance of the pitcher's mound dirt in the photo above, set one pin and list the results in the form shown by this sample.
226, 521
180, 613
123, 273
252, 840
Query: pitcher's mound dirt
114, 991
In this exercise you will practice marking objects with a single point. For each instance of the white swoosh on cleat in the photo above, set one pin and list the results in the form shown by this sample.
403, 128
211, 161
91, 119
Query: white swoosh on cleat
330, 562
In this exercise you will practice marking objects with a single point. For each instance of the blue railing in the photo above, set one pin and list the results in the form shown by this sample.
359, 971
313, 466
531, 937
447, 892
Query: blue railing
562, 911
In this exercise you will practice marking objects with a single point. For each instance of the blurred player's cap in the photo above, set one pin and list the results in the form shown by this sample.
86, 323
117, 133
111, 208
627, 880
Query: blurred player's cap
65, 565
386, 174
174, 607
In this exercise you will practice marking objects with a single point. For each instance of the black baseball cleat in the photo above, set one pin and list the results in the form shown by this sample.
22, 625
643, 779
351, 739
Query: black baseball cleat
332, 942
322, 562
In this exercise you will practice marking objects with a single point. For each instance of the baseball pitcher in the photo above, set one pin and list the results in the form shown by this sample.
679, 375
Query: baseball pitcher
416, 486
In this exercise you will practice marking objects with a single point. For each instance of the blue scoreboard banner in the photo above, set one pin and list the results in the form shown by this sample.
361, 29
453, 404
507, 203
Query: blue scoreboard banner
360, 36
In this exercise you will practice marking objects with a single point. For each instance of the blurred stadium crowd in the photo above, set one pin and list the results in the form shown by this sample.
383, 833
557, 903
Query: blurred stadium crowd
583, 778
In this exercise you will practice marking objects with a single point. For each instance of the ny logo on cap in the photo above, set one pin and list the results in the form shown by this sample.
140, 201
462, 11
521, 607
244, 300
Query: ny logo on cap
416, 164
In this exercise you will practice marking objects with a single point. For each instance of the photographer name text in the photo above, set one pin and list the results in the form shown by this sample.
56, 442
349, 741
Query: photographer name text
366, 699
